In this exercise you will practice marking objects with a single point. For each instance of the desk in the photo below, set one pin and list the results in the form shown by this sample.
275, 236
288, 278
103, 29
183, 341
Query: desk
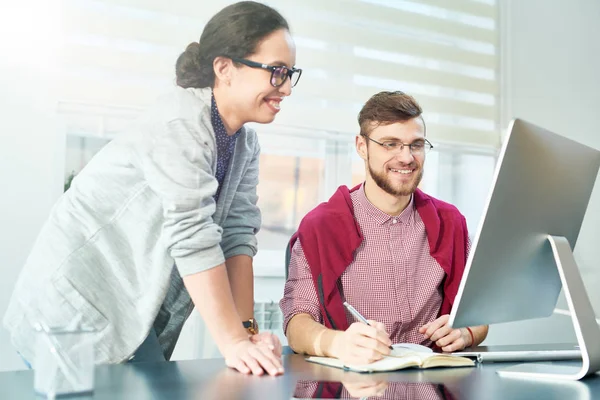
210, 379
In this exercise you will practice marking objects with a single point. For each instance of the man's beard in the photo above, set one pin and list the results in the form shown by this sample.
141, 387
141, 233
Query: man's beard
382, 180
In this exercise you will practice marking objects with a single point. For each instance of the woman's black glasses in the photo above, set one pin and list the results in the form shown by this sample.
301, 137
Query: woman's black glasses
279, 73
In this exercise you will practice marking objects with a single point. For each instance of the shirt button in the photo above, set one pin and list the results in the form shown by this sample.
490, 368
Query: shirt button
394, 221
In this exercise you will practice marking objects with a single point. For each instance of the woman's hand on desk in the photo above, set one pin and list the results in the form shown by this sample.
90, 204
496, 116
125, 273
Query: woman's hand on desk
272, 341
250, 358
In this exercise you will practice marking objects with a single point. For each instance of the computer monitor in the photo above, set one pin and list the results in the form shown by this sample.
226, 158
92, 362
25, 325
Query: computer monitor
521, 255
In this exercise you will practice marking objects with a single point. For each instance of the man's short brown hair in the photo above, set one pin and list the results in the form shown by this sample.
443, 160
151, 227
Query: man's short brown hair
386, 108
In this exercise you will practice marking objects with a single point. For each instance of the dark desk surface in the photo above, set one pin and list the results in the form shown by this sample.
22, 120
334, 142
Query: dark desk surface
210, 379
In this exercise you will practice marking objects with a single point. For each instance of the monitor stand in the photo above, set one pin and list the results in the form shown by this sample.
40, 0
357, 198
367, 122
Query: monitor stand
584, 322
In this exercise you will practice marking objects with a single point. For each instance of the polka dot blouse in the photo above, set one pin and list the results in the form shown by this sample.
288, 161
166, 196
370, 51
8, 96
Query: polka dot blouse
225, 144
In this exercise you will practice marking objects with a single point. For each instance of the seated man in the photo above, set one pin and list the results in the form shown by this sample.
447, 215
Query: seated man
393, 252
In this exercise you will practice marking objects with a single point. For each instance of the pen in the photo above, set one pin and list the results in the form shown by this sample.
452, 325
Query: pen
358, 316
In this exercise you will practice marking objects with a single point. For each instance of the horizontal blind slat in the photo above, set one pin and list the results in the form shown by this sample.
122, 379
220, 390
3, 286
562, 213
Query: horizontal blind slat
380, 16
335, 36
348, 65
466, 6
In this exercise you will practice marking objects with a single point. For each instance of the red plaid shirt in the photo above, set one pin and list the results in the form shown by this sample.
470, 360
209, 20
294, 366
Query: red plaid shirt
393, 278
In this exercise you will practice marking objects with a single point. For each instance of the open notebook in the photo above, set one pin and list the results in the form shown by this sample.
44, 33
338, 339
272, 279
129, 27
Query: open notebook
400, 358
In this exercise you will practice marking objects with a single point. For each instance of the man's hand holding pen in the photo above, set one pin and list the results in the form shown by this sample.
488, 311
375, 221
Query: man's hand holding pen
361, 343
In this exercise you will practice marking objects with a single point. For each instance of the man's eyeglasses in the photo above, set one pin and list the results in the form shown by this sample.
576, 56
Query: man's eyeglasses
417, 148
279, 73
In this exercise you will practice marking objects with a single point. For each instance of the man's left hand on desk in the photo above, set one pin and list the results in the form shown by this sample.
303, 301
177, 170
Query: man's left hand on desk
446, 338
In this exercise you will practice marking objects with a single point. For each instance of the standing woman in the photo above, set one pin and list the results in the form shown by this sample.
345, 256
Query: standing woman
164, 218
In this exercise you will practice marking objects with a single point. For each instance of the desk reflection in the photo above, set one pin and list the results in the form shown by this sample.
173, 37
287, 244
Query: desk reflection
370, 387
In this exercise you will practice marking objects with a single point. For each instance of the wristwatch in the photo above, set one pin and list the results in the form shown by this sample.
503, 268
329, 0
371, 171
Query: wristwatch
251, 326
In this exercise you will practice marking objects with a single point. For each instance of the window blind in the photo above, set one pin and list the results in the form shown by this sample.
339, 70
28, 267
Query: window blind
120, 54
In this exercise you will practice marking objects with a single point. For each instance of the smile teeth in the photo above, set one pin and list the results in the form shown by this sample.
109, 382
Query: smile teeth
402, 171
274, 104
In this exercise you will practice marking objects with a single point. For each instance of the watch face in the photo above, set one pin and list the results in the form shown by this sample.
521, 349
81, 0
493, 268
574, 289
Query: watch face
251, 325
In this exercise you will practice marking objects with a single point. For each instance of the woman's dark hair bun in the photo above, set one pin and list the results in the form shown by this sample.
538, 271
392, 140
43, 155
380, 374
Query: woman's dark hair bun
189, 68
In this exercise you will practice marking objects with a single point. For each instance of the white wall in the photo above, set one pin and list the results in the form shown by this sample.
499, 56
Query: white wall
31, 149
550, 66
